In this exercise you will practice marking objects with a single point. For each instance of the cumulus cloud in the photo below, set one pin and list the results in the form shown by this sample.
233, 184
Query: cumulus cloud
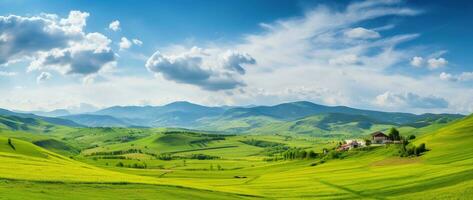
125, 43
43, 77
431, 63
114, 25
25, 36
50, 42
435, 63
361, 33
84, 58
137, 42
233, 60
410, 100
417, 61
464, 76
206, 69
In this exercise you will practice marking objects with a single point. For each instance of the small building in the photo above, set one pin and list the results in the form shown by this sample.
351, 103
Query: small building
344, 147
356, 142
351, 144
379, 137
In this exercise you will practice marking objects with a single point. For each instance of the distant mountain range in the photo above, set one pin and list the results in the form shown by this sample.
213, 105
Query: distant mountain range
299, 117
52, 120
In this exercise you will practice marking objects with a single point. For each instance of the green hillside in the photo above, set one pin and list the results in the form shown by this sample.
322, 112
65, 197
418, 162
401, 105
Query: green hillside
105, 163
332, 125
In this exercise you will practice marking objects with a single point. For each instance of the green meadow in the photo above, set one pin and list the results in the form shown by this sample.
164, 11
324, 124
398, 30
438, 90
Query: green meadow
154, 163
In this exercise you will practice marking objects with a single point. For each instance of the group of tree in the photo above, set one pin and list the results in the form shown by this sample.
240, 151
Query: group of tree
219, 168
261, 143
297, 153
168, 156
134, 165
394, 134
118, 152
202, 157
411, 149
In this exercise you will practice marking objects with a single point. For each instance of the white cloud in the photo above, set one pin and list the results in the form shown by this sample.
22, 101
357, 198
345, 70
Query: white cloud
75, 21
114, 25
25, 36
43, 77
137, 42
447, 77
435, 63
299, 58
432, 63
86, 57
4, 73
361, 33
53, 43
233, 60
410, 100
125, 43
209, 69
417, 61
464, 76
344, 60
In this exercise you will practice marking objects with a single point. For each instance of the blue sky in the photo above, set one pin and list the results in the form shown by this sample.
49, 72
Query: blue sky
412, 56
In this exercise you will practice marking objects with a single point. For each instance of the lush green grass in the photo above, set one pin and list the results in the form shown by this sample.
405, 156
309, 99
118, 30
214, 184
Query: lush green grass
46, 190
31, 172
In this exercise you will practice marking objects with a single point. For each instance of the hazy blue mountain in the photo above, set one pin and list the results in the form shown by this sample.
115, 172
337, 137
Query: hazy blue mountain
236, 119
296, 110
97, 120
52, 120
181, 113
53, 113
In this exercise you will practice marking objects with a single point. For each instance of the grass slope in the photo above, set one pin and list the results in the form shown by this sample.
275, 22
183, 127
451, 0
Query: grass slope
444, 172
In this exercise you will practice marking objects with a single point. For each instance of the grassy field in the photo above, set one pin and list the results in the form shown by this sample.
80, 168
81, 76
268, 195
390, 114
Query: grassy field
84, 163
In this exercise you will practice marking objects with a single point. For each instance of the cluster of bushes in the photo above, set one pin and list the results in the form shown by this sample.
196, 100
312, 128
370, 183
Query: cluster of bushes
164, 156
119, 152
206, 140
202, 157
219, 168
134, 165
110, 157
297, 153
270, 148
261, 143
168, 156
195, 134
412, 150
274, 150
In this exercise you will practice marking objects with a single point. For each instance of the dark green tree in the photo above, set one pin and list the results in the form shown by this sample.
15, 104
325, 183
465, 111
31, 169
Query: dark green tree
394, 134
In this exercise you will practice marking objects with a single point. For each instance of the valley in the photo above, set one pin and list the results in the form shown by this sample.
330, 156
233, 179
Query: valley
45, 160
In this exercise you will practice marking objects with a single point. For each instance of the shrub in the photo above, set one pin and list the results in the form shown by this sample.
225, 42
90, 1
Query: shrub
412, 150
165, 156
119, 164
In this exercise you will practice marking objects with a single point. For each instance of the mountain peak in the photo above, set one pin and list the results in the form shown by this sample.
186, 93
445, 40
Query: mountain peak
181, 103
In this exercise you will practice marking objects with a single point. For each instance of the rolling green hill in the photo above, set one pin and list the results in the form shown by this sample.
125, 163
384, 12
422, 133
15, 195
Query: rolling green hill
51, 120
233, 119
116, 163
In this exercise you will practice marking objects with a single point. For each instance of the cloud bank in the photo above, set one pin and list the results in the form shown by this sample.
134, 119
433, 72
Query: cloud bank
206, 69
53, 43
